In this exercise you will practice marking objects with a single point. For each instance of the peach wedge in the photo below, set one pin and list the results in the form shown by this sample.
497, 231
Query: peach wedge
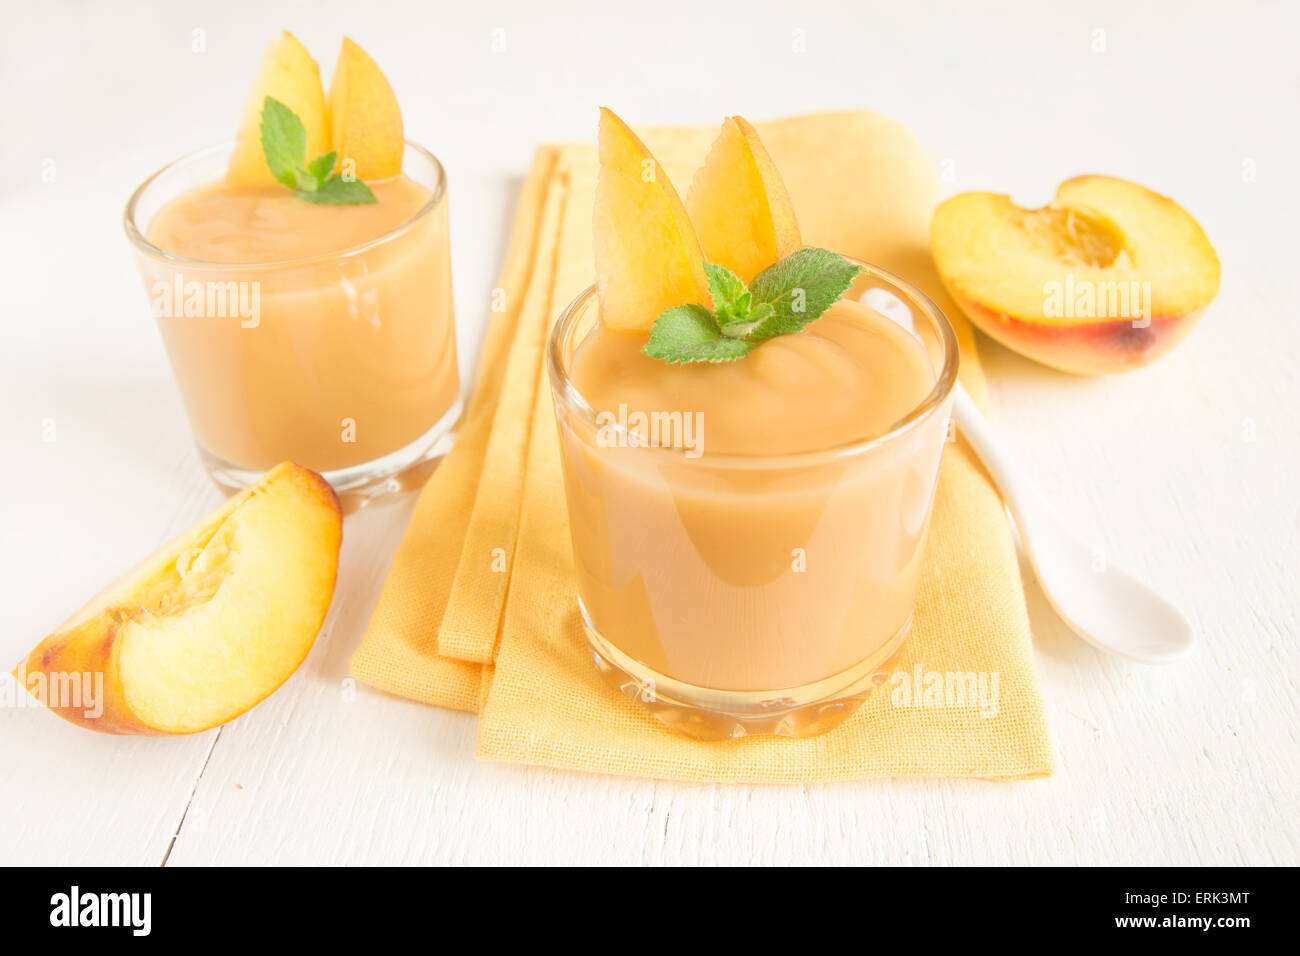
648, 258
739, 204
290, 75
365, 118
1108, 278
205, 627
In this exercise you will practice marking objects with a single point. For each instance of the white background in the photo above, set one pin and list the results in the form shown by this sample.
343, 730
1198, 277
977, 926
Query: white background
1185, 472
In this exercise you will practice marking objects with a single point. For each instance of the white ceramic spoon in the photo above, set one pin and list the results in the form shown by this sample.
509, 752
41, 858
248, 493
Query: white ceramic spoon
1108, 608
1105, 606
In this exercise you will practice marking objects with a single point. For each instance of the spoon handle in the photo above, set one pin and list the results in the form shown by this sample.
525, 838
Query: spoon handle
1021, 498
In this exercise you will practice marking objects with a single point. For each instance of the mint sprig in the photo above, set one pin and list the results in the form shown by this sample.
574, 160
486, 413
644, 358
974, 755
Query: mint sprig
284, 144
781, 300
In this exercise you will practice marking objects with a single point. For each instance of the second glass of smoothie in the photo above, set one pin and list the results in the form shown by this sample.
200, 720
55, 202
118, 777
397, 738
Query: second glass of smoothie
320, 334
748, 536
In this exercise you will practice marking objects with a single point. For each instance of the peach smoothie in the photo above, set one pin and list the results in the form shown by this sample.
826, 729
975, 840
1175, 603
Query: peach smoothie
301, 281
743, 569
749, 451
351, 357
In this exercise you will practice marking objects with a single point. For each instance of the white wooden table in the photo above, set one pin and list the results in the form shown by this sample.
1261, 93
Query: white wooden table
1186, 472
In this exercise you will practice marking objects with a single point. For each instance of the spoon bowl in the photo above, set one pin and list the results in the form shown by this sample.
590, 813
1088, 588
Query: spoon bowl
1109, 608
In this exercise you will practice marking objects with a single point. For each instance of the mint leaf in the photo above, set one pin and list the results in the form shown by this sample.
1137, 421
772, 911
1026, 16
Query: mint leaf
322, 166
744, 329
690, 333
341, 192
284, 142
781, 300
800, 288
730, 297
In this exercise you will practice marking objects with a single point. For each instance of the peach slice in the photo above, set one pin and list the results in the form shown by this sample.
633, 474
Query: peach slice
205, 627
290, 75
1107, 278
366, 120
739, 204
648, 258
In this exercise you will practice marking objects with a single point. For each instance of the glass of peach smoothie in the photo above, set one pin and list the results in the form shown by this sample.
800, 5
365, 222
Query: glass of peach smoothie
748, 547
317, 334
750, 448
301, 279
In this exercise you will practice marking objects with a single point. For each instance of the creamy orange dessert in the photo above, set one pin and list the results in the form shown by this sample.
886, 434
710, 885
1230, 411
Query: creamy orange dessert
854, 373
755, 576
224, 222
331, 236
750, 480
350, 358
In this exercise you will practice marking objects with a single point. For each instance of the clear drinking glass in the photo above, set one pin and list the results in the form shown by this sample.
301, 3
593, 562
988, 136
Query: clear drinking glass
688, 591
343, 362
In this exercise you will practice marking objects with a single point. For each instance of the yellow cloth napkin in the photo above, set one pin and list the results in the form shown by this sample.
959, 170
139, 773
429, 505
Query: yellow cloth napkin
479, 611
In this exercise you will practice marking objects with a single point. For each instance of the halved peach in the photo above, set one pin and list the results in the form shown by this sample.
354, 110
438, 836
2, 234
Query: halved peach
364, 115
290, 75
1107, 278
205, 627
739, 204
648, 257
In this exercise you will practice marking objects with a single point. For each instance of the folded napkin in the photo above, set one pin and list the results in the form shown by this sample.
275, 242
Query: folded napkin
479, 611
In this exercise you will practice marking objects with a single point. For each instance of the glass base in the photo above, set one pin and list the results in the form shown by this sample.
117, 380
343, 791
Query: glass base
360, 485
708, 714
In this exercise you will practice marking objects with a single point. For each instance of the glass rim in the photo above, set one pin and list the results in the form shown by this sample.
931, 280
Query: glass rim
136, 235
563, 387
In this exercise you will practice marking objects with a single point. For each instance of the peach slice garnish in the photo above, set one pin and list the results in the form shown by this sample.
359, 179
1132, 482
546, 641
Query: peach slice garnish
364, 115
1107, 278
648, 258
208, 625
290, 75
739, 204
